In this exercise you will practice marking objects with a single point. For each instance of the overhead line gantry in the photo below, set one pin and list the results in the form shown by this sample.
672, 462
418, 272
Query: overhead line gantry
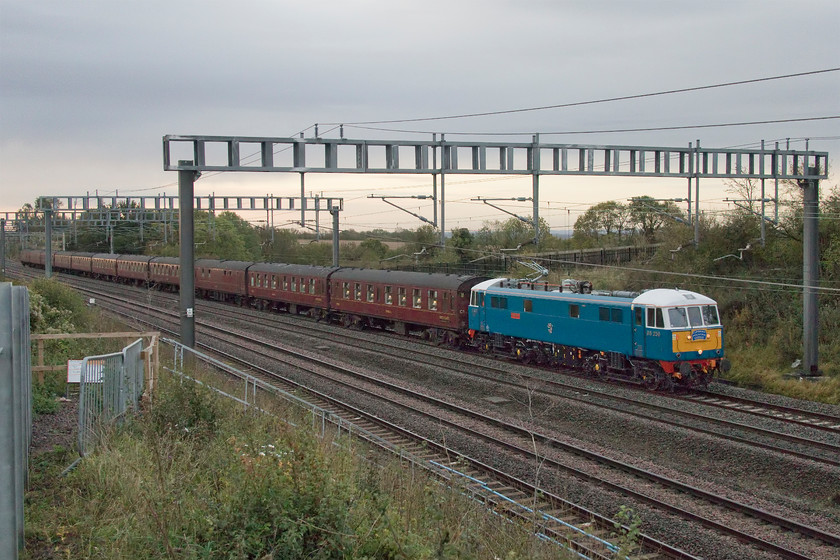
190, 155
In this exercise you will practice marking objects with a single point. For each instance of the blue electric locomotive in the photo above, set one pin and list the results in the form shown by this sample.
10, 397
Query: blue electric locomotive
659, 338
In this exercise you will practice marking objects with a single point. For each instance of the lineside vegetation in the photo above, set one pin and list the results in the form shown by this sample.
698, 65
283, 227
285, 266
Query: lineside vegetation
196, 477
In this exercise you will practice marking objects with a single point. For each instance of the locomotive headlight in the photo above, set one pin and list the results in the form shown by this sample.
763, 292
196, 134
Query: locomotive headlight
699, 352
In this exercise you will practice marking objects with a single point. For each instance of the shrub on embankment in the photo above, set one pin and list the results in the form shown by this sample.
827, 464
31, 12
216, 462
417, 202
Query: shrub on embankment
195, 477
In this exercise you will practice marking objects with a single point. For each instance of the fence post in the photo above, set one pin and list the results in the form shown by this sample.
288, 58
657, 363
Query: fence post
15, 414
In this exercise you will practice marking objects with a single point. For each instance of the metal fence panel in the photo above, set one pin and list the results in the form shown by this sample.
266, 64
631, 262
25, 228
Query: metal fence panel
110, 385
15, 414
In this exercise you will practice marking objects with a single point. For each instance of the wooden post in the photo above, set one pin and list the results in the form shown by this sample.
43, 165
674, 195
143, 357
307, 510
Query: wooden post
41, 361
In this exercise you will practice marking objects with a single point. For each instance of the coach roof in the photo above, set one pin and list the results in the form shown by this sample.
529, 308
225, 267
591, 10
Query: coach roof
402, 278
292, 269
223, 265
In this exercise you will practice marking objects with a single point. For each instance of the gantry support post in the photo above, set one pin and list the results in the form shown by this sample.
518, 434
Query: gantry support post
186, 188
444, 161
2, 248
763, 200
334, 211
810, 275
48, 242
697, 195
535, 166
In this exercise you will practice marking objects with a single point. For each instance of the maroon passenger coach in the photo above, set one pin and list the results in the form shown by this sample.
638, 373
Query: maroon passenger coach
434, 304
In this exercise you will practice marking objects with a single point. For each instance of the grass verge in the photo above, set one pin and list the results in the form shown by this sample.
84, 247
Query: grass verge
197, 477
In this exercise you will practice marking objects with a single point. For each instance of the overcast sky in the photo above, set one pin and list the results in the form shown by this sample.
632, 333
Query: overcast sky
87, 89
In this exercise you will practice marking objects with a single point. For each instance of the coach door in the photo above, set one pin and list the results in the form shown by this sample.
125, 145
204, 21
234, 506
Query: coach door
638, 331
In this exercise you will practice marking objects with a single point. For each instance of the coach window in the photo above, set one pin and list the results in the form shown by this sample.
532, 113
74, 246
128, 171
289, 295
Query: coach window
346, 289
415, 298
389, 296
273, 282
433, 300
574, 311
402, 298
311, 285
370, 292
527, 305
357, 292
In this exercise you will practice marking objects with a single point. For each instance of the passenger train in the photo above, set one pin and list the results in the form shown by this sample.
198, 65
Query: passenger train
661, 338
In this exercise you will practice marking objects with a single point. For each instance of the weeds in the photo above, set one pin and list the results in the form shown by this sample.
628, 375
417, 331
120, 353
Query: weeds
197, 477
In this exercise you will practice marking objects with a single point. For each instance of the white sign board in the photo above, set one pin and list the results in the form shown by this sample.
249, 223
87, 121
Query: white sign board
94, 373
74, 371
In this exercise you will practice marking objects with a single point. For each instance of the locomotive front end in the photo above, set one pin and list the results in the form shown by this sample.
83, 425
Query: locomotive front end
682, 333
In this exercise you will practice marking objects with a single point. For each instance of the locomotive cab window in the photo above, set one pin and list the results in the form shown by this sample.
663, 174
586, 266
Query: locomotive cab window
639, 316
655, 318
677, 317
695, 317
389, 296
710, 315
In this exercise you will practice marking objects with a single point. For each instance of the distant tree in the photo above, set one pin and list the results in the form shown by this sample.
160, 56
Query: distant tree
606, 217
374, 247
462, 240
648, 215
426, 235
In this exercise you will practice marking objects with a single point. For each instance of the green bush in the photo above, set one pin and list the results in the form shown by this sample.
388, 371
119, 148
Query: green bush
43, 399
197, 477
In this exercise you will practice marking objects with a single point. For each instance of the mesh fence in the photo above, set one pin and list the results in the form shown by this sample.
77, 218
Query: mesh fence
110, 386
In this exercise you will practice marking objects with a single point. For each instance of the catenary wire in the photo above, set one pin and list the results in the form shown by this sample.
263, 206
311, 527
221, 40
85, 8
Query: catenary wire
596, 101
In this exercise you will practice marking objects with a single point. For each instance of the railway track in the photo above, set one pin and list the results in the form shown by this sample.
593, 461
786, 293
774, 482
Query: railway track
818, 421
765, 517
575, 527
829, 452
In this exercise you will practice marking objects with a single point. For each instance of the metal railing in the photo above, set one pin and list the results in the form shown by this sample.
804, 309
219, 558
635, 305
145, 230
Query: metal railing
15, 414
111, 385
323, 419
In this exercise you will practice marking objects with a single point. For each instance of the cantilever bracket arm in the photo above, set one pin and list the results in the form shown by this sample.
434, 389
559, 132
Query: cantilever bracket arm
486, 201
751, 211
406, 210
